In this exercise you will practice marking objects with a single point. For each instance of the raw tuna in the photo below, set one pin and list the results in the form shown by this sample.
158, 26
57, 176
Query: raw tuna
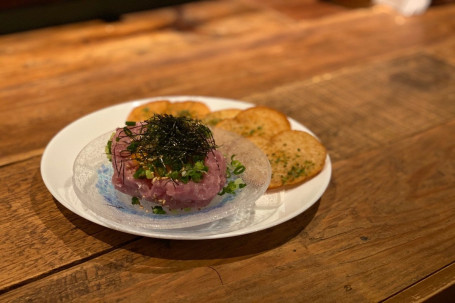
169, 193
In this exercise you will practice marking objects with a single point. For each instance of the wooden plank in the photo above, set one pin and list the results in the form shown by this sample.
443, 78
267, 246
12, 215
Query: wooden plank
201, 12
364, 241
366, 238
20, 156
84, 47
356, 110
444, 50
38, 234
335, 228
301, 10
430, 288
211, 67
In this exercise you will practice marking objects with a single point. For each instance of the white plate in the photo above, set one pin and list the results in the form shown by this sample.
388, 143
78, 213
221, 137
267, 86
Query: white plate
270, 210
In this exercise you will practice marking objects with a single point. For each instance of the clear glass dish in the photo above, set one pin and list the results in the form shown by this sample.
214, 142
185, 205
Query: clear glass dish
92, 174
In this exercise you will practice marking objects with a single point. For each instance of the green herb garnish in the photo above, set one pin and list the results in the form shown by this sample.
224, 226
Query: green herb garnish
232, 187
296, 171
108, 147
135, 201
158, 210
140, 173
133, 146
235, 167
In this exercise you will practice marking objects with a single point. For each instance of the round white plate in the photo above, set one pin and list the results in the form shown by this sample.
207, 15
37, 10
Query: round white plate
270, 210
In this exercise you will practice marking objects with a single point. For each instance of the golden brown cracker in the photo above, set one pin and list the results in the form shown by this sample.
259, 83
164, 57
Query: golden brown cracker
295, 156
193, 109
257, 121
215, 117
145, 111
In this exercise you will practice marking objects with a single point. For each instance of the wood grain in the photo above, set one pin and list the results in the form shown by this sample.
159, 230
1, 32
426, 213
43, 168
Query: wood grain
375, 87
335, 226
444, 50
366, 241
150, 74
301, 10
354, 111
431, 289
38, 234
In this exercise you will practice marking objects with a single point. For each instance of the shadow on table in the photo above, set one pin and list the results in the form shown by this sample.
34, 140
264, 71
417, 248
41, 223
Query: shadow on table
239, 246
181, 254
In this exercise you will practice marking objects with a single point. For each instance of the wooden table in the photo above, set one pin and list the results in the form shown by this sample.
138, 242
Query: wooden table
377, 88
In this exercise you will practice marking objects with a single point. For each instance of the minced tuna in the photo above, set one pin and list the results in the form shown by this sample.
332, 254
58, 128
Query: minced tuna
168, 160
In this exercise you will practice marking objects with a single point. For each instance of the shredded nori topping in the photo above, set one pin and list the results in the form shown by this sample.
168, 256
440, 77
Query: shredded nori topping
166, 145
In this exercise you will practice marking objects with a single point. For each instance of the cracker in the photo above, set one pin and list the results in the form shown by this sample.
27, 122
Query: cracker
295, 156
259, 121
215, 117
193, 109
145, 111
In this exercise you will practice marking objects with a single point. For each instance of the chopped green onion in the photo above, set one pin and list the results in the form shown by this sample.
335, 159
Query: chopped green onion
232, 186
236, 168
133, 146
158, 210
149, 174
239, 169
127, 131
140, 173
199, 165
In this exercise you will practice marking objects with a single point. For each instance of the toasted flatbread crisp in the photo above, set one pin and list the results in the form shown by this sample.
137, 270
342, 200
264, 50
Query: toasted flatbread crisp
295, 156
193, 109
145, 111
259, 121
215, 117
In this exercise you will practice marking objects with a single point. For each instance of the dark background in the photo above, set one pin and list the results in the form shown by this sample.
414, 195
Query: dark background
21, 15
